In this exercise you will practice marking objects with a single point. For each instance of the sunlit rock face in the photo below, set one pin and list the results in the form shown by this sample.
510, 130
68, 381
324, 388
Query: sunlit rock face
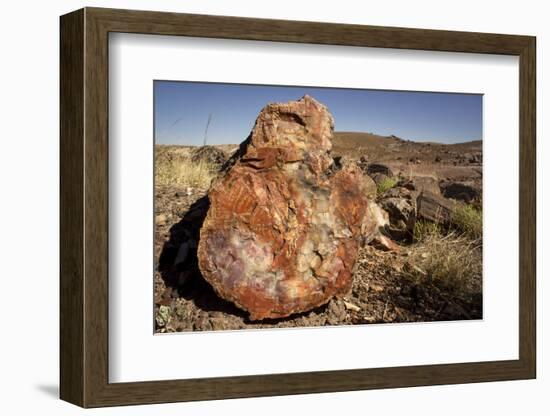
284, 225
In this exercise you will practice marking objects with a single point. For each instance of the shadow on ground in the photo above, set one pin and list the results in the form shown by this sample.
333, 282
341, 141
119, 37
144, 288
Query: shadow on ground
51, 390
380, 294
178, 266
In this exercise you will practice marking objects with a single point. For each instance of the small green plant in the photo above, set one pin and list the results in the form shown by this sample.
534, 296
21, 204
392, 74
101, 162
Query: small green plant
425, 229
468, 220
385, 184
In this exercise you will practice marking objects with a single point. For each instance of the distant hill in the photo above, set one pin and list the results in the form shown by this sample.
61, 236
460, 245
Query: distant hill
346, 142
391, 148
458, 160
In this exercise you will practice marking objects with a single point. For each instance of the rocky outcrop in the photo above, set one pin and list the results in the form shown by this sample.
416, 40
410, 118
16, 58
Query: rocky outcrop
374, 168
400, 204
462, 191
401, 211
420, 184
284, 226
434, 208
412, 199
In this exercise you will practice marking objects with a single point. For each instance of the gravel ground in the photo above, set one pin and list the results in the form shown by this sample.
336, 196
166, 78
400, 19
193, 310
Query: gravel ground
381, 292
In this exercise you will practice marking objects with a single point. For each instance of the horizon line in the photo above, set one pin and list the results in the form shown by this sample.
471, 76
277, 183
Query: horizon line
335, 132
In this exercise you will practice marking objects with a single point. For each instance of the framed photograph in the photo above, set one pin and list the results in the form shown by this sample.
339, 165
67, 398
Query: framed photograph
255, 207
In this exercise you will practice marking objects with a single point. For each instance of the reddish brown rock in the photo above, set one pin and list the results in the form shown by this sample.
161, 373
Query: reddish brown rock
284, 227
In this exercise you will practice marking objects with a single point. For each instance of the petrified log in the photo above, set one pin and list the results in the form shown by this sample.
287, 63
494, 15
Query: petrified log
435, 208
283, 229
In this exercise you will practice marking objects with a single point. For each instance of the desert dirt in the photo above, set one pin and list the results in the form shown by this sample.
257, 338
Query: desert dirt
388, 285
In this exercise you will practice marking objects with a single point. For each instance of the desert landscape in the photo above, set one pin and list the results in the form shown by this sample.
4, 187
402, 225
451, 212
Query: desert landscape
420, 260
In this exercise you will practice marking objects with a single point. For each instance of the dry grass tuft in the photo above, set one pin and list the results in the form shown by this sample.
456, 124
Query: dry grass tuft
451, 262
426, 229
182, 171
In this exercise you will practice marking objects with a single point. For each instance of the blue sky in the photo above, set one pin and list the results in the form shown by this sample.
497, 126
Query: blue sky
182, 110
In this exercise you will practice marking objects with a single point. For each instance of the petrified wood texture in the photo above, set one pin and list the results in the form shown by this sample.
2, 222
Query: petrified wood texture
284, 227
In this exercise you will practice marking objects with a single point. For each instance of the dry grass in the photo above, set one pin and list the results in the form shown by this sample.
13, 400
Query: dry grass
181, 170
425, 229
452, 262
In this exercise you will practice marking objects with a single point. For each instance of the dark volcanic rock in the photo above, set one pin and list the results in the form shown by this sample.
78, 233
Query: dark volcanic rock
283, 229
461, 191
379, 168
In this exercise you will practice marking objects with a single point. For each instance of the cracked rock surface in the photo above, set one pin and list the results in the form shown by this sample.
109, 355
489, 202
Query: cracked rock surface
284, 225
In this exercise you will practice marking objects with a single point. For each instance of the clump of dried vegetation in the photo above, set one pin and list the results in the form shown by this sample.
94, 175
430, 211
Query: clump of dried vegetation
449, 258
424, 229
180, 170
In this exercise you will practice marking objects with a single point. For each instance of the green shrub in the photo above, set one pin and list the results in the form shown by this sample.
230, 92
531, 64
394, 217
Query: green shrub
386, 184
468, 220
